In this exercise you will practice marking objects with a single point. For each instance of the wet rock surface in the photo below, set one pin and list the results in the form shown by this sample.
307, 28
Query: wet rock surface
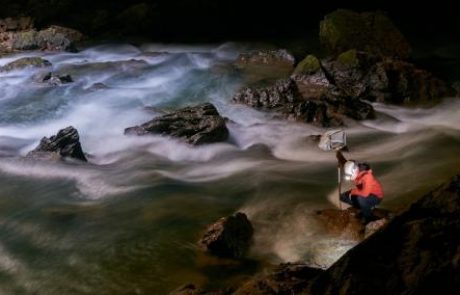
228, 237
288, 278
65, 144
196, 125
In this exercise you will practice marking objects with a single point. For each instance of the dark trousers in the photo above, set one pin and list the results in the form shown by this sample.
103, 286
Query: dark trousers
365, 204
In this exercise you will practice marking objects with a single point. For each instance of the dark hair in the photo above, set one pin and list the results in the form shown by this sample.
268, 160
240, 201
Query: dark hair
363, 166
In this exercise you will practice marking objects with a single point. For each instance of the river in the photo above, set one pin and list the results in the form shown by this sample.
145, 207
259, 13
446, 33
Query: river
127, 222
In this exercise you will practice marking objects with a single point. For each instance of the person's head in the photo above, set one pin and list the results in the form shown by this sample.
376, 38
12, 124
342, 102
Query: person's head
363, 166
352, 168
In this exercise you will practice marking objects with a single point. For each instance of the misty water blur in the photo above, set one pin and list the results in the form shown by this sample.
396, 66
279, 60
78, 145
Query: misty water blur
127, 221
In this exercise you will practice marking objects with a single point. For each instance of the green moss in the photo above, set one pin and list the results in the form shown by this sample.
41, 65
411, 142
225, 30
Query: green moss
349, 58
373, 32
310, 64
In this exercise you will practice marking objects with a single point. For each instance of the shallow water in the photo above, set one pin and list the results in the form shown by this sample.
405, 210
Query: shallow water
127, 222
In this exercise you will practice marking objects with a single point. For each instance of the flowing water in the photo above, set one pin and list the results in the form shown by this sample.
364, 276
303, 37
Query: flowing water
127, 222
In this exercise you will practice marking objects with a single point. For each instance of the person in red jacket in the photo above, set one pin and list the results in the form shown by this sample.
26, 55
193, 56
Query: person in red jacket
367, 192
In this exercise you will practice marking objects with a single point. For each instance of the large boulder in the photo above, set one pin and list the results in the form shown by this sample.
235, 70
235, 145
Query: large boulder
284, 98
196, 125
54, 38
372, 32
65, 144
321, 106
348, 72
356, 75
228, 237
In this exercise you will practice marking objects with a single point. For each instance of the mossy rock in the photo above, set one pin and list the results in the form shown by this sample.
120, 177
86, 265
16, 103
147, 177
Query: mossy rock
349, 58
372, 32
308, 65
26, 62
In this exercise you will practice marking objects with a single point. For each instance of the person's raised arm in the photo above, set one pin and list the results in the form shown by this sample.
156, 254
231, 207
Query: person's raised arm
340, 158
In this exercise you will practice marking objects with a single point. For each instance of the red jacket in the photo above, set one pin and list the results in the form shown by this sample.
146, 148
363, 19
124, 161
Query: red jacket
367, 184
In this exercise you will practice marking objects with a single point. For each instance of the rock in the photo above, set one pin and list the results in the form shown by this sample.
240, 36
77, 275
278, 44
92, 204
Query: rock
400, 82
264, 65
65, 144
341, 224
274, 97
196, 125
279, 57
191, 289
284, 98
417, 252
228, 237
54, 38
355, 76
288, 278
349, 71
352, 108
309, 65
25, 62
320, 106
55, 80
313, 85
97, 86
188, 289
372, 32
16, 24
347, 225
374, 226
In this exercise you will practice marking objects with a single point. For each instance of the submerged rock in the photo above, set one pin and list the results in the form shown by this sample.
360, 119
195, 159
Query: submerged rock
228, 237
196, 125
55, 80
25, 62
65, 144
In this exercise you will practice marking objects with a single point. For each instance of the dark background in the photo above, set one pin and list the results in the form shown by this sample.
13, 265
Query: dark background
222, 20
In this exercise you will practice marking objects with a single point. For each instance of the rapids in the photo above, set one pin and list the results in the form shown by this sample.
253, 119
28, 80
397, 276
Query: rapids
127, 221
